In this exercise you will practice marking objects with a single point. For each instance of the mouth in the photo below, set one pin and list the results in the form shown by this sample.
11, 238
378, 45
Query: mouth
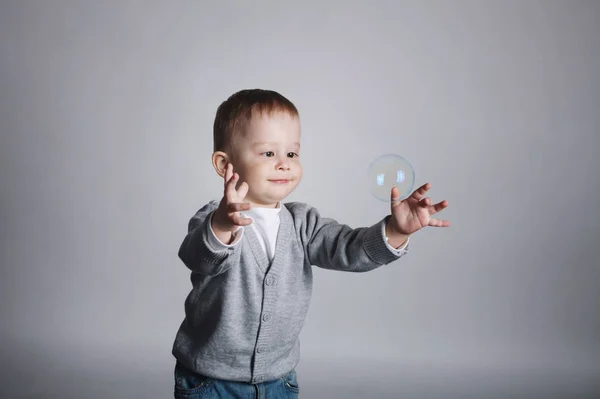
279, 181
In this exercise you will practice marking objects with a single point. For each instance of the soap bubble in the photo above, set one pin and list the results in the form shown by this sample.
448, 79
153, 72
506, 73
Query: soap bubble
387, 171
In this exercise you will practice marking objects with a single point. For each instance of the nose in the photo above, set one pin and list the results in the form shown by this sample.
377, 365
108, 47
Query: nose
283, 163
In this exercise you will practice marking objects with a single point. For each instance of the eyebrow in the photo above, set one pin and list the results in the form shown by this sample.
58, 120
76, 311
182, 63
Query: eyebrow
264, 143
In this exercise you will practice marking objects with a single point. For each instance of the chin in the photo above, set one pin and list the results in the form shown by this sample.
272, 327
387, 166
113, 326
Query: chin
274, 200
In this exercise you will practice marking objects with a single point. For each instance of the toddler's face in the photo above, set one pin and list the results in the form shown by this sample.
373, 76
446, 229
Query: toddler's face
267, 151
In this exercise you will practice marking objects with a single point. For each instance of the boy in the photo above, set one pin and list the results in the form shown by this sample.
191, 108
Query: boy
251, 255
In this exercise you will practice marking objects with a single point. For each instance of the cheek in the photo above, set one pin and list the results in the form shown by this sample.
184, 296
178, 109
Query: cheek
254, 172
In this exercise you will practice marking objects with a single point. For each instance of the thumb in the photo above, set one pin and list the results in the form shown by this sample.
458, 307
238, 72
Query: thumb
395, 198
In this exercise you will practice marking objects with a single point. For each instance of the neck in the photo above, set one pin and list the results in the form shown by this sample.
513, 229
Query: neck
269, 206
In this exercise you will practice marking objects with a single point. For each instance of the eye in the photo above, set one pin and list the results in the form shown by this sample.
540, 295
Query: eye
269, 152
292, 154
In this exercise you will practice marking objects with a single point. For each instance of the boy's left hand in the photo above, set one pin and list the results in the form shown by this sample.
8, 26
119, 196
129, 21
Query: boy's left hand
414, 213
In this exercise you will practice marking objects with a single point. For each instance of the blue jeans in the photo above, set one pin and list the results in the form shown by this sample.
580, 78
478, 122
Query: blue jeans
190, 385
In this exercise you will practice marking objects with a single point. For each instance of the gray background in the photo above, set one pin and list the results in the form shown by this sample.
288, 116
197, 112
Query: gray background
106, 112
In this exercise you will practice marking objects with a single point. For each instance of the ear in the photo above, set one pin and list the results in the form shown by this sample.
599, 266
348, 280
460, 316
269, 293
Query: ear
220, 160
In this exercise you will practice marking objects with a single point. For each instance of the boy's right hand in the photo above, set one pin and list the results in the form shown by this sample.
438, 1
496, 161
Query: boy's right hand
227, 217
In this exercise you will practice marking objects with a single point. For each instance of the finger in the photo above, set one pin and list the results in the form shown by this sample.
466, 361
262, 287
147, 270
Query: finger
228, 173
438, 223
238, 207
425, 202
230, 186
243, 190
438, 207
227, 178
420, 192
238, 220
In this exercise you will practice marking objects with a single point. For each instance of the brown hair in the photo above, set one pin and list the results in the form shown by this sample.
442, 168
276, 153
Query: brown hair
238, 109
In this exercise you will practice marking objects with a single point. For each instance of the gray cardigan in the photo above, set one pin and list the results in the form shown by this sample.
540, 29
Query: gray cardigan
244, 314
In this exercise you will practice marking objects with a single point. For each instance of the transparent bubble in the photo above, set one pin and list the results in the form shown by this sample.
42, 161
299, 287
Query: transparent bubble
387, 171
